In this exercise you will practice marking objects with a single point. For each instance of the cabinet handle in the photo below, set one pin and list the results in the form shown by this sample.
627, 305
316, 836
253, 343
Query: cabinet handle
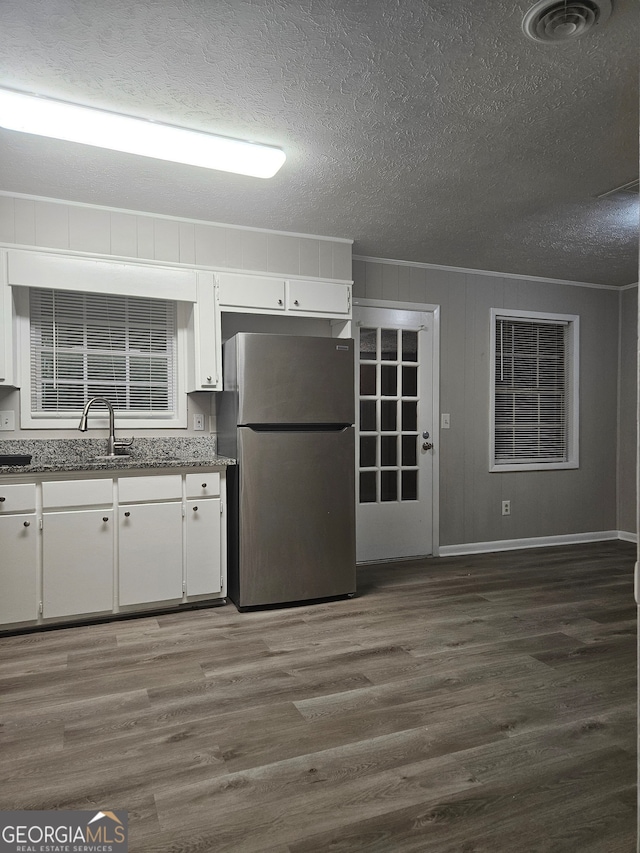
27, 523
105, 518
295, 302
127, 514
195, 509
279, 301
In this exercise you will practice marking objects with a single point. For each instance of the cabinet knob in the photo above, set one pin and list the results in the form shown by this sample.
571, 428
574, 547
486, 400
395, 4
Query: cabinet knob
195, 509
26, 523
105, 518
295, 302
279, 301
208, 379
127, 514
204, 485
2, 500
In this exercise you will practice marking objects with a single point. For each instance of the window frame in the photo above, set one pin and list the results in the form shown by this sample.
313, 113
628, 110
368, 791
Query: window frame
572, 385
99, 417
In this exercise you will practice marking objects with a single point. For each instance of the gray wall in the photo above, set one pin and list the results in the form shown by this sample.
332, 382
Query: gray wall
543, 503
627, 440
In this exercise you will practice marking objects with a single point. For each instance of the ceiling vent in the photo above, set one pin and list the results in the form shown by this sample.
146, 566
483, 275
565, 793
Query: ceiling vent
555, 21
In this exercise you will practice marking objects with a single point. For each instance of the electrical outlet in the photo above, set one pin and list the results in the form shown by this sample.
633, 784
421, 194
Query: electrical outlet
506, 507
7, 421
198, 422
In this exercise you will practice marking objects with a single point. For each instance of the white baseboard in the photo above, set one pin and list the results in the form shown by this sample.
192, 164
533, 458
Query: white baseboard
533, 542
627, 537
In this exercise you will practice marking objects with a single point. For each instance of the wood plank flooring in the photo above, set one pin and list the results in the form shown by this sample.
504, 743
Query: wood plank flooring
481, 704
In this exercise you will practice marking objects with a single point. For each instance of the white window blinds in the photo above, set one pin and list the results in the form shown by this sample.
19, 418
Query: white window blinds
531, 403
119, 347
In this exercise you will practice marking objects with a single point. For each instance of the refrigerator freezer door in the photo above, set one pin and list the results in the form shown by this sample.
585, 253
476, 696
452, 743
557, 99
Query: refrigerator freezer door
287, 379
296, 516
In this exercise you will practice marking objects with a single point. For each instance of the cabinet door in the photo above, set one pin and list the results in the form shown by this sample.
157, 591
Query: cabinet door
319, 297
253, 292
77, 562
205, 372
150, 552
6, 328
203, 546
18, 568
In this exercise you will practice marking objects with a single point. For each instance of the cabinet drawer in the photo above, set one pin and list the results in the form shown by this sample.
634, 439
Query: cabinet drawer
251, 291
203, 485
77, 493
18, 497
163, 488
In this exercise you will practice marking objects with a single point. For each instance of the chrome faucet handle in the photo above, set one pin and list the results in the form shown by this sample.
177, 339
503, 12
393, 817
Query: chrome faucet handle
120, 444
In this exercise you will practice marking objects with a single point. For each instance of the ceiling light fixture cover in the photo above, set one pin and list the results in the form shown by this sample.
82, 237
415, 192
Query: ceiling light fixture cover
71, 122
554, 21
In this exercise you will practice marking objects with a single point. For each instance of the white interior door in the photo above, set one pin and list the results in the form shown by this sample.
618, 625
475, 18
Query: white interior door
394, 364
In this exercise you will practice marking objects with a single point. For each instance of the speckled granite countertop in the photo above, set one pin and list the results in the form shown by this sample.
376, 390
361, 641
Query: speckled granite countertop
59, 455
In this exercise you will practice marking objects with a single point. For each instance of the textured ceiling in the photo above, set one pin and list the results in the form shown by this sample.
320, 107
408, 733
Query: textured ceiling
425, 130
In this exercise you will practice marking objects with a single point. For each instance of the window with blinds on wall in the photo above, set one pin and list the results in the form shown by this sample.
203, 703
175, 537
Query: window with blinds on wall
90, 344
533, 392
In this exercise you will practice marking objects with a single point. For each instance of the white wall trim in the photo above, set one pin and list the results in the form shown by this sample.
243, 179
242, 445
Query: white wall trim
533, 542
627, 537
28, 197
532, 278
177, 265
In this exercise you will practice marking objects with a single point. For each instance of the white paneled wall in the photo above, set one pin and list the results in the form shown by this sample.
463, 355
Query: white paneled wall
79, 228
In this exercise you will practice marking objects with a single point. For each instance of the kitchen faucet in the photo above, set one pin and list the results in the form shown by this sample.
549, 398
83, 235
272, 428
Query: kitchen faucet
112, 444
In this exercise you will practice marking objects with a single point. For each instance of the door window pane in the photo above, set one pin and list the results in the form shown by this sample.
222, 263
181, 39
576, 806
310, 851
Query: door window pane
389, 344
367, 380
368, 451
368, 487
389, 450
409, 381
367, 415
389, 485
409, 485
368, 344
389, 380
409, 346
388, 409
409, 450
409, 416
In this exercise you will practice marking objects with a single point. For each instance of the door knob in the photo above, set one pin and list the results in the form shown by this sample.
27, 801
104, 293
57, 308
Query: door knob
427, 445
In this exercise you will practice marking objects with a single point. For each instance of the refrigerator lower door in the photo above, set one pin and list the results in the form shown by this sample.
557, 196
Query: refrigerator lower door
296, 506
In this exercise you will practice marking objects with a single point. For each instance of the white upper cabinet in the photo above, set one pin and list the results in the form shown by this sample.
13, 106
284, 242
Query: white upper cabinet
7, 360
205, 348
257, 294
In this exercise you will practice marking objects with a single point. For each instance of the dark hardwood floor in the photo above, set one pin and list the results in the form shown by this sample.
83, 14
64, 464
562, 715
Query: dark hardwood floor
481, 704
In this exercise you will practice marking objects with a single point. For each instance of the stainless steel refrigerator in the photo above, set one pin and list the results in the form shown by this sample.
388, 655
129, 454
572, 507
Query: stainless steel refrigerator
286, 414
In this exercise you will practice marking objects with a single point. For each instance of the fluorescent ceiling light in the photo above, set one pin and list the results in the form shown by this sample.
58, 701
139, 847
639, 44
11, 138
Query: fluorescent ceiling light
61, 120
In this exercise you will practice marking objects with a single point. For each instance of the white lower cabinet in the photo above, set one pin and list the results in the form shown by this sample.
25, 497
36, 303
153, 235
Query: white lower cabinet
74, 547
77, 562
203, 533
150, 552
18, 568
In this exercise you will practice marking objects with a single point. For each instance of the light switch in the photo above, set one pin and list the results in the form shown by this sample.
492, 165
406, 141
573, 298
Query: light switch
445, 423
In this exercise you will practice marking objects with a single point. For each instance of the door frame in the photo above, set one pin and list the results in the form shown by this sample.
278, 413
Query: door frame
434, 310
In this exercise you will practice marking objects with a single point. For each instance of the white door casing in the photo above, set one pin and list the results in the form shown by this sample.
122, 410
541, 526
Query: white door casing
397, 418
